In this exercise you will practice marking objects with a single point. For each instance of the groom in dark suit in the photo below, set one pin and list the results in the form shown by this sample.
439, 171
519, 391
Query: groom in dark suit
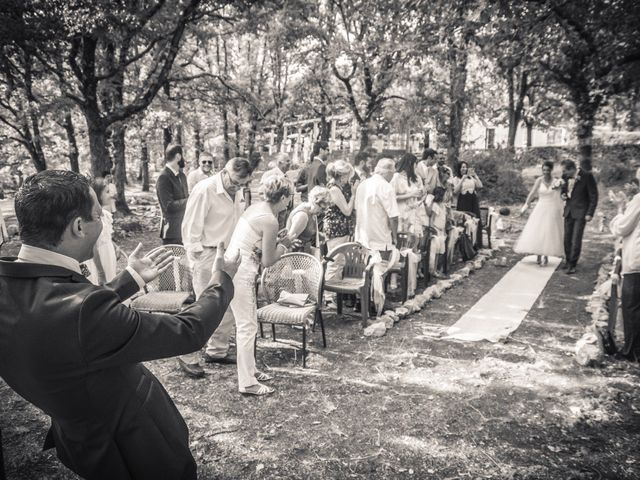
74, 350
580, 191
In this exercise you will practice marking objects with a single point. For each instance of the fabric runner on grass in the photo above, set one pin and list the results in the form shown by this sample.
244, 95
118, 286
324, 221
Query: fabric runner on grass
503, 308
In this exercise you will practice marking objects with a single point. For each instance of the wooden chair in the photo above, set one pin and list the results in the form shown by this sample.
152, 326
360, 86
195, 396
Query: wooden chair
356, 276
172, 289
293, 273
486, 220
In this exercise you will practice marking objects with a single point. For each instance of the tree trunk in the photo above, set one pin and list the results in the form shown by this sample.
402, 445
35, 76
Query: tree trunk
144, 163
529, 125
364, 136
120, 174
458, 79
72, 153
584, 130
237, 130
100, 160
511, 110
225, 135
198, 141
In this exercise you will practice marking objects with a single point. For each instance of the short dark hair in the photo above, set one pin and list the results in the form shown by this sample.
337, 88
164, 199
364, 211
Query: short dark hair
549, 164
361, 156
569, 165
172, 150
438, 194
48, 202
320, 144
428, 153
241, 167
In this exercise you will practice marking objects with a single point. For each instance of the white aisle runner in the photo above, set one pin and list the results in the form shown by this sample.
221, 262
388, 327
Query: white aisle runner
503, 308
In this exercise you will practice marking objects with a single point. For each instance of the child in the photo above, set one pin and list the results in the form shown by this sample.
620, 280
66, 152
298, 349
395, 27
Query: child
105, 253
437, 212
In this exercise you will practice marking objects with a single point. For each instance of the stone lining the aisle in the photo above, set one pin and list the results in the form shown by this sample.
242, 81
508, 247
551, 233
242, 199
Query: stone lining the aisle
417, 303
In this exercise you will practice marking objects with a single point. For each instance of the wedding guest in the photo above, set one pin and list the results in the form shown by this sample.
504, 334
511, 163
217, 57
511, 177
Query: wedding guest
172, 191
255, 241
112, 191
427, 169
281, 167
626, 224
377, 209
445, 181
103, 264
211, 215
338, 217
409, 195
437, 212
75, 351
302, 182
360, 165
205, 170
465, 187
303, 224
317, 172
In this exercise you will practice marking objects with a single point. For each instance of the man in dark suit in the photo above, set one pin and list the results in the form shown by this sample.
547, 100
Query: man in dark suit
74, 350
317, 171
580, 191
172, 190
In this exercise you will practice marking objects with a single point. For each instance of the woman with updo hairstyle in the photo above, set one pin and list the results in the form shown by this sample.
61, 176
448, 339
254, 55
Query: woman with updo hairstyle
303, 225
255, 240
465, 187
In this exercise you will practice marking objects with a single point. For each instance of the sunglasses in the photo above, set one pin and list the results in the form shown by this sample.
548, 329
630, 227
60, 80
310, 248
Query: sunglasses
207, 163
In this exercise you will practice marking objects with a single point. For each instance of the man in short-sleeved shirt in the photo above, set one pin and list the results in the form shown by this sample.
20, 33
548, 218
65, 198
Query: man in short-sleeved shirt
377, 209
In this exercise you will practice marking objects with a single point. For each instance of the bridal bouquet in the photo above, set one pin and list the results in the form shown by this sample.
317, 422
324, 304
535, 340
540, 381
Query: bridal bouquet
557, 183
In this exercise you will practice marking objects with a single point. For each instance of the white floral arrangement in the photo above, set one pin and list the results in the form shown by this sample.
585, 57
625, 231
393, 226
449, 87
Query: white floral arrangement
557, 183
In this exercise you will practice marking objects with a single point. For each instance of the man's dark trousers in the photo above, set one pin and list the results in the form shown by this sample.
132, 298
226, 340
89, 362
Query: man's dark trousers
631, 314
573, 232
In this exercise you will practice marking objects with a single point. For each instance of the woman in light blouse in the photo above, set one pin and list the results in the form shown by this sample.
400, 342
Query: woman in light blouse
466, 184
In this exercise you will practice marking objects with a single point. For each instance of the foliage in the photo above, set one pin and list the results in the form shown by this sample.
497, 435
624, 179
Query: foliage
501, 179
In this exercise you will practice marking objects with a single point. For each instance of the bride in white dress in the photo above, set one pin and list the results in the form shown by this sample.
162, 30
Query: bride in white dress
544, 232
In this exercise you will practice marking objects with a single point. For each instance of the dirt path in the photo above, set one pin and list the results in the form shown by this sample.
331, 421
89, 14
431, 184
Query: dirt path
407, 405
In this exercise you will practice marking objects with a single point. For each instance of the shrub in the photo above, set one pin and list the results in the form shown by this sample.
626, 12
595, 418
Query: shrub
501, 179
615, 173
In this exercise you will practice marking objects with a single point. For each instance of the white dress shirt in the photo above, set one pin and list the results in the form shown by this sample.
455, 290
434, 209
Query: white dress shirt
375, 204
211, 215
627, 226
195, 177
31, 254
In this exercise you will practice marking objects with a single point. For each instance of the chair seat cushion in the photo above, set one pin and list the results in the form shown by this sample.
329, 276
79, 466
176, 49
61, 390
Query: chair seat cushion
284, 315
168, 302
344, 285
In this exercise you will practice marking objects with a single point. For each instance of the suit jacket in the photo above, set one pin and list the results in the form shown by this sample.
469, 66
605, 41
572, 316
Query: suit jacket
172, 193
316, 174
73, 350
584, 196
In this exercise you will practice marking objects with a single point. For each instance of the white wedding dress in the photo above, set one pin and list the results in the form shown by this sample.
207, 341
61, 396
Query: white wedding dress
544, 232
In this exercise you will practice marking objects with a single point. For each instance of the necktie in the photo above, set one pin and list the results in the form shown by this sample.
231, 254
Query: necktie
85, 270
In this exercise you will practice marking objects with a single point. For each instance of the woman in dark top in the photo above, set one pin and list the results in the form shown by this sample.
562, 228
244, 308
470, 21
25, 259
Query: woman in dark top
466, 185
302, 224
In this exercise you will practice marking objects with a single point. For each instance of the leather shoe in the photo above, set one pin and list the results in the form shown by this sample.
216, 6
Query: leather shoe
226, 360
192, 370
571, 270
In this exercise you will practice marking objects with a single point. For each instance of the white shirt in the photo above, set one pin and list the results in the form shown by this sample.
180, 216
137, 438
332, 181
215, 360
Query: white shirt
211, 215
375, 204
31, 254
196, 176
627, 226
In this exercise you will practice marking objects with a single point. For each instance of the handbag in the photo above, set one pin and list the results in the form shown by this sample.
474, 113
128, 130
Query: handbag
465, 245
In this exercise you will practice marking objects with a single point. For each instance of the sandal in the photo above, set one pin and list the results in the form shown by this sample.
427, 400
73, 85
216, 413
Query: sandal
257, 389
263, 377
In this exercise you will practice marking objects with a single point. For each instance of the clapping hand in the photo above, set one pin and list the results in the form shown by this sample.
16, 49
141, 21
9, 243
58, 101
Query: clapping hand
229, 266
151, 265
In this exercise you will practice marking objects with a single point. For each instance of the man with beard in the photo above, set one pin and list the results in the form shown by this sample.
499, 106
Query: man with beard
172, 191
